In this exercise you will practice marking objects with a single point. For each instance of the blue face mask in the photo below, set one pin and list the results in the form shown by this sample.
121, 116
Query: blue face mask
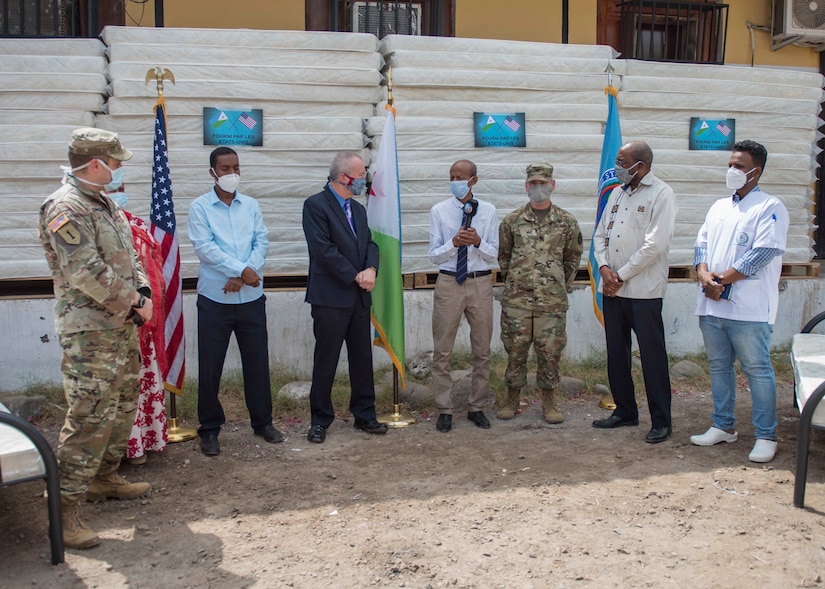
119, 198
117, 177
357, 185
459, 188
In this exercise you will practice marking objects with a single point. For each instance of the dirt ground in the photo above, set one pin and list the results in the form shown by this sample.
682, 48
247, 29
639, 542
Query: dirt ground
521, 505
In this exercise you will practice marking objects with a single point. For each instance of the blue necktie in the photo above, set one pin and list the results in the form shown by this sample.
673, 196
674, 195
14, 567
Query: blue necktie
461, 265
348, 212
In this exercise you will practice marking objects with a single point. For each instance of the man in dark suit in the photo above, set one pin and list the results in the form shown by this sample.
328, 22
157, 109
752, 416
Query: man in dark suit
343, 263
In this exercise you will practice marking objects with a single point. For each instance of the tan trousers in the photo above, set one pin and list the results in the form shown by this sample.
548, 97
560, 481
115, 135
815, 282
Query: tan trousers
474, 300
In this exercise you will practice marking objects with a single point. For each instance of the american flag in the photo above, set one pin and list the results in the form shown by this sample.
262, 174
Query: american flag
723, 129
164, 231
247, 121
511, 124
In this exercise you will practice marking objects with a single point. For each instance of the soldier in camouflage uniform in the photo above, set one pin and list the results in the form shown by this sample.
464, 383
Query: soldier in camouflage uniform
540, 246
100, 292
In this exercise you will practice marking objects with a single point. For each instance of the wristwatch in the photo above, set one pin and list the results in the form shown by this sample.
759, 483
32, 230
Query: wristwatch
141, 303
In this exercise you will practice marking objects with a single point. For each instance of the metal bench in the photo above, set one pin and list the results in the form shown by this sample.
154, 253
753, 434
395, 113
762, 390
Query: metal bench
808, 360
25, 455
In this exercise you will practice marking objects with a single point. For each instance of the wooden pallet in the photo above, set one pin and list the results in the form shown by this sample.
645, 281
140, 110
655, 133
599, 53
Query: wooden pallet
421, 280
39, 288
806, 270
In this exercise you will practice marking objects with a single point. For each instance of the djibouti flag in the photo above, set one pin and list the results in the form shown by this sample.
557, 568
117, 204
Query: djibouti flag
384, 218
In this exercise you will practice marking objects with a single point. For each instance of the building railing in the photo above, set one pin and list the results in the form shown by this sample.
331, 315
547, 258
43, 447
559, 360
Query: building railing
382, 18
687, 32
48, 18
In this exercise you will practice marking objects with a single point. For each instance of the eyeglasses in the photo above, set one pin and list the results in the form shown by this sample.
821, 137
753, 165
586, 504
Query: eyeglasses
622, 163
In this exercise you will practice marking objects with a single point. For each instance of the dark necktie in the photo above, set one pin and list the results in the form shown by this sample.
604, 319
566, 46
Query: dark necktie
348, 212
461, 263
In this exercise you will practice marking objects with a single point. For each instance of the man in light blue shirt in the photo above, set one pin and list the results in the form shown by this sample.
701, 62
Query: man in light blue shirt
229, 236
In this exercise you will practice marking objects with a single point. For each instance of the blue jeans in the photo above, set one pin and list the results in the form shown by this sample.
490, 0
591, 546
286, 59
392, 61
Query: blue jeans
750, 341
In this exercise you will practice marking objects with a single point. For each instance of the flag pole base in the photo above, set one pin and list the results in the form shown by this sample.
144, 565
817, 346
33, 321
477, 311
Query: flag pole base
179, 434
396, 419
606, 402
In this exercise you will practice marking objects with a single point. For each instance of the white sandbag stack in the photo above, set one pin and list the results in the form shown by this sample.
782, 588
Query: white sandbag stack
315, 90
49, 87
778, 108
440, 82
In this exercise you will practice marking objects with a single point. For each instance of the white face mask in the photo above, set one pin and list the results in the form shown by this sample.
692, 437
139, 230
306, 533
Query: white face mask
228, 182
459, 188
736, 178
539, 193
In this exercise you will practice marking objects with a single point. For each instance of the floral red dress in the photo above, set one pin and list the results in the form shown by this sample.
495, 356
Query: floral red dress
149, 429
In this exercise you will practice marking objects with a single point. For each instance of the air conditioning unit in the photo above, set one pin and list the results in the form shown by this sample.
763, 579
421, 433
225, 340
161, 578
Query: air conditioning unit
801, 22
387, 18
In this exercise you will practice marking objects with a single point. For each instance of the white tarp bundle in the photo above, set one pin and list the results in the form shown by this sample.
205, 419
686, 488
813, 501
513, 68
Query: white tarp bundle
315, 89
322, 93
439, 83
49, 87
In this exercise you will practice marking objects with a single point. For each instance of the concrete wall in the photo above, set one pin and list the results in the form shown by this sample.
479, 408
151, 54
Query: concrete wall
31, 351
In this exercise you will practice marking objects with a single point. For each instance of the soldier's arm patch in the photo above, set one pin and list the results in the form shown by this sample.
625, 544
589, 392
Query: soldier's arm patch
580, 238
63, 227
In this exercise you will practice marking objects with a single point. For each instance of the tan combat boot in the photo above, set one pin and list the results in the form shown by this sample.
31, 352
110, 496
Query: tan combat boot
509, 407
114, 486
75, 532
548, 405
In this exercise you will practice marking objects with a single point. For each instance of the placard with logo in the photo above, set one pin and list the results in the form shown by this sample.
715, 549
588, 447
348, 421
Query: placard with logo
712, 134
233, 127
499, 130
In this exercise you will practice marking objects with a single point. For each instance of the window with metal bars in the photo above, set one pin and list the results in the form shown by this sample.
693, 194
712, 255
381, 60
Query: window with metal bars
38, 18
382, 18
687, 32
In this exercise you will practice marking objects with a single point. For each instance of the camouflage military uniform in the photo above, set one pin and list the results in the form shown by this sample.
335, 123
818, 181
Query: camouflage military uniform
96, 272
538, 260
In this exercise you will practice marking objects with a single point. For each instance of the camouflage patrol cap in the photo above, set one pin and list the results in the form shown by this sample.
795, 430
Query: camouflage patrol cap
540, 171
91, 141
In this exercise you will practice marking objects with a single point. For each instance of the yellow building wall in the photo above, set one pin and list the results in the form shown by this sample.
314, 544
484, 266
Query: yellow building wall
519, 20
276, 15
738, 47
525, 20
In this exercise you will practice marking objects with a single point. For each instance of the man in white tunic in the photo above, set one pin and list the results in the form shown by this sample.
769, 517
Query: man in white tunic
631, 244
738, 258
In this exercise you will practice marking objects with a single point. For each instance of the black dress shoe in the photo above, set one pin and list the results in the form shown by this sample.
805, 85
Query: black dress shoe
372, 426
658, 434
210, 445
614, 421
478, 418
317, 434
444, 423
269, 434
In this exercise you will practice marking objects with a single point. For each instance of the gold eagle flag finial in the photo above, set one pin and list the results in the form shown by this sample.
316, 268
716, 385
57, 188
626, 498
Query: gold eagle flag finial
159, 75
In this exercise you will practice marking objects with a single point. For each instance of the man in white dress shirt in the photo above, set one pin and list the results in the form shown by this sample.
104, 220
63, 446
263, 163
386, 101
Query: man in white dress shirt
464, 243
